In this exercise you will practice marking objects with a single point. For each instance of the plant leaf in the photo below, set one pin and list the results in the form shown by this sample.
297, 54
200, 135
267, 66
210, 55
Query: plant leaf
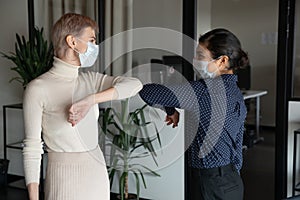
128, 131
137, 182
30, 57
122, 184
147, 168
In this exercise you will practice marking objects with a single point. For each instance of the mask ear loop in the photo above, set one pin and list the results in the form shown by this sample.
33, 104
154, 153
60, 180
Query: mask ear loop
76, 51
217, 68
83, 42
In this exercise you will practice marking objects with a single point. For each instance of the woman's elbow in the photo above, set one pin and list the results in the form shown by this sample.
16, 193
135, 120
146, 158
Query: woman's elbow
137, 86
131, 88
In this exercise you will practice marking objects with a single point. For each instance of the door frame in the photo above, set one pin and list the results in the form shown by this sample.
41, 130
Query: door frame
189, 28
285, 55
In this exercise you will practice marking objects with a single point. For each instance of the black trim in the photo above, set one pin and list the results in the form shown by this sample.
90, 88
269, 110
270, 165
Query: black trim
189, 28
30, 4
101, 20
290, 49
4, 133
284, 91
101, 24
296, 99
281, 106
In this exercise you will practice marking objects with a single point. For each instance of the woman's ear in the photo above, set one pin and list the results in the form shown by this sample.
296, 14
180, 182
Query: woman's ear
71, 42
224, 62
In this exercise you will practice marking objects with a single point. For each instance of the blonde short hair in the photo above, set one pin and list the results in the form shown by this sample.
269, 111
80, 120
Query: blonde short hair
69, 24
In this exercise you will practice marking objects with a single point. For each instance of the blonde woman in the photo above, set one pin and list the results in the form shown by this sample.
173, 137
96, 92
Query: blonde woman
61, 107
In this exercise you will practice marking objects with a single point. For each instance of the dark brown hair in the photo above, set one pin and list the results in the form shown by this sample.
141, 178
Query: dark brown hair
223, 42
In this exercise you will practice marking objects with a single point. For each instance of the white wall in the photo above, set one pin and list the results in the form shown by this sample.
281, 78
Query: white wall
255, 23
156, 13
203, 16
13, 19
163, 14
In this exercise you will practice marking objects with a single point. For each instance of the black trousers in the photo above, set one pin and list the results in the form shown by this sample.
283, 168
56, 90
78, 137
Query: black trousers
220, 183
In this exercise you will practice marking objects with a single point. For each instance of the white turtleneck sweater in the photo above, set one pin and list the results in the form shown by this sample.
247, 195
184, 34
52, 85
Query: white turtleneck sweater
46, 103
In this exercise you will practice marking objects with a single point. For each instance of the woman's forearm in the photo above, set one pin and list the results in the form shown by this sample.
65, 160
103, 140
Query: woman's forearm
79, 109
33, 190
106, 95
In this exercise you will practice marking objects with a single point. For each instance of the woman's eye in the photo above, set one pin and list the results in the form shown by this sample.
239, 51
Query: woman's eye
92, 41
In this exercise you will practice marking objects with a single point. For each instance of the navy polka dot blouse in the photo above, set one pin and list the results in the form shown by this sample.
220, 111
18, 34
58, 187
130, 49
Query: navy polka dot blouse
214, 118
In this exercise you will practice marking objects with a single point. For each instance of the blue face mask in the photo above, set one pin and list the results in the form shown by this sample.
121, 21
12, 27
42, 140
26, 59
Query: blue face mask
88, 58
201, 69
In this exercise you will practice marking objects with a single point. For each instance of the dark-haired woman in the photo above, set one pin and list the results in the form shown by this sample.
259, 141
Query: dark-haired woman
215, 152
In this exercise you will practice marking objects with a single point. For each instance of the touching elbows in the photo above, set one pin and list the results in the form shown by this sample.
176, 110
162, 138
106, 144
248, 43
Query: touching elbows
127, 87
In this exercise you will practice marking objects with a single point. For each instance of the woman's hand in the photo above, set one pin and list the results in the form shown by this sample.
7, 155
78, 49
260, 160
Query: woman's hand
173, 119
79, 109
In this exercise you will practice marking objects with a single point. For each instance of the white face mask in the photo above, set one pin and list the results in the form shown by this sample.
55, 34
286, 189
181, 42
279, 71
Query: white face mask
201, 69
88, 58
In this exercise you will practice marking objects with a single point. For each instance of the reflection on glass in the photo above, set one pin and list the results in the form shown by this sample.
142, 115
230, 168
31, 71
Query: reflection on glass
296, 80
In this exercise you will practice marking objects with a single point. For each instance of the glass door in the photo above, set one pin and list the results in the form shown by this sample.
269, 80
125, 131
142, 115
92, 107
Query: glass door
255, 23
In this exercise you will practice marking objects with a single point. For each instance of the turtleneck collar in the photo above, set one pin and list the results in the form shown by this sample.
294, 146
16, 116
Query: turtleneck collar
64, 69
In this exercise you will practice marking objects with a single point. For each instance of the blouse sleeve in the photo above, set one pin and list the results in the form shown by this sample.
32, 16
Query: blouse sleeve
156, 94
33, 146
239, 146
170, 97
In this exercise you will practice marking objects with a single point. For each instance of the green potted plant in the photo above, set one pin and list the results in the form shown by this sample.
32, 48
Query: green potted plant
32, 58
129, 135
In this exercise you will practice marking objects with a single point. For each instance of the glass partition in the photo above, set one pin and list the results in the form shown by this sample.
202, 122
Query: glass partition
296, 74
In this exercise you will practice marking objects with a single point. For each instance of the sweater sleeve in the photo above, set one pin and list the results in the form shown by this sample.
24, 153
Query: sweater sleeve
125, 86
33, 146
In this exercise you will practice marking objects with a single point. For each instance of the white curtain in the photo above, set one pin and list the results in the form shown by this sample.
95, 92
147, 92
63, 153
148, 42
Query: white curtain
47, 12
118, 18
